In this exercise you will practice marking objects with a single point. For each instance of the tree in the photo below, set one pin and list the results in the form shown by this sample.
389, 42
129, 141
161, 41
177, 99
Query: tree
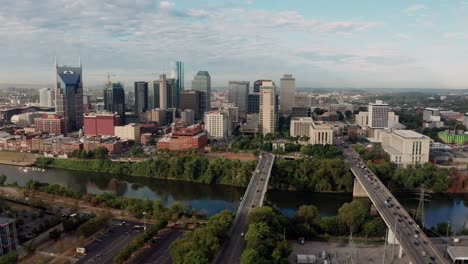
257, 233
84, 154
348, 114
281, 252
374, 227
353, 215
252, 256
10, 258
3, 178
55, 234
307, 213
101, 153
136, 151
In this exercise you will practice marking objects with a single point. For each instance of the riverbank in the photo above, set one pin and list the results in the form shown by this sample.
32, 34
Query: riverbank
17, 158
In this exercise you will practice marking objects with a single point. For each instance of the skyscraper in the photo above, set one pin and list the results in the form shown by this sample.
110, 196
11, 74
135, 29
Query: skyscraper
114, 100
46, 97
177, 74
162, 92
153, 95
239, 95
190, 99
202, 83
378, 114
267, 107
141, 97
69, 96
287, 92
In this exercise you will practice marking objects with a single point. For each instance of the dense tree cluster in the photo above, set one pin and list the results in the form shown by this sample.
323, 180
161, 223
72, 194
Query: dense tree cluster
312, 174
200, 246
186, 167
52, 189
352, 217
93, 225
265, 240
413, 176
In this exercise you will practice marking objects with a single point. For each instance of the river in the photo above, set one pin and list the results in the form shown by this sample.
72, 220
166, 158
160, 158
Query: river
211, 199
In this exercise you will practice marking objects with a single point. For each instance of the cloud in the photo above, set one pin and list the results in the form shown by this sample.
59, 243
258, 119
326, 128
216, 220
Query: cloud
402, 36
449, 35
166, 4
415, 8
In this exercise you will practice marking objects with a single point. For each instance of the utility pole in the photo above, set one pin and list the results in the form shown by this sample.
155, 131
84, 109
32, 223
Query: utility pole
385, 246
144, 221
422, 199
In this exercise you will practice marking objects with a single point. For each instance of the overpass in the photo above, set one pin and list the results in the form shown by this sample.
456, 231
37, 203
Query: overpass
402, 228
254, 197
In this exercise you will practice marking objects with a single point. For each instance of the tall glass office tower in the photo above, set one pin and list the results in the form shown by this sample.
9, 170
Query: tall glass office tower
202, 82
69, 96
114, 100
177, 73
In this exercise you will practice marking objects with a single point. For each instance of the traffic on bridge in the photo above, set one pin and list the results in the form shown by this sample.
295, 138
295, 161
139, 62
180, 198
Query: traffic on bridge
405, 231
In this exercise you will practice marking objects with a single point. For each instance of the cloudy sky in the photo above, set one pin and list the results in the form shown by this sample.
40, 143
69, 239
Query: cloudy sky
324, 43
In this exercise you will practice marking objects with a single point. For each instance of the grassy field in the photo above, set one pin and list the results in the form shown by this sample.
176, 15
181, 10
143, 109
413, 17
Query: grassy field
16, 158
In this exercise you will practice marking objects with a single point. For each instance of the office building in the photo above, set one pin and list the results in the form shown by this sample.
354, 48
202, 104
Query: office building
202, 83
163, 92
405, 146
431, 114
317, 132
157, 115
216, 124
341, 107
254, 103
141, 97
190, 99
267, 107
100, 124
257, 84
49, 123
378, 114
184, 138
46, 97
187, 117
114, 100
238, 94
8, 235
128, 132
69, 96
362, 119
287, 92
251, 124
153, 94
177, 73
300, 112
302, 100
301, 127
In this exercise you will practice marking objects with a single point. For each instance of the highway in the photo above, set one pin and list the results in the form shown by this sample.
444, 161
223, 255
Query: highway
253, 197
414, 242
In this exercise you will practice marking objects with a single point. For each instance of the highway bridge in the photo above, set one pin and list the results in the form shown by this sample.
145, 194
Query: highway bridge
402, 228
254, 197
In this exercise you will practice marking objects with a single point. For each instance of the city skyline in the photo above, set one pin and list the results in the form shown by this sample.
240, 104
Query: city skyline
398, 44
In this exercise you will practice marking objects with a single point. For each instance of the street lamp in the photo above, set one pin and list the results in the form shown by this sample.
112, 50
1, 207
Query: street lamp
144, 221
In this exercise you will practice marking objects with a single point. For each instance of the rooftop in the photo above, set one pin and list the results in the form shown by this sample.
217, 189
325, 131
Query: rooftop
6, 220
458, 253
408, 134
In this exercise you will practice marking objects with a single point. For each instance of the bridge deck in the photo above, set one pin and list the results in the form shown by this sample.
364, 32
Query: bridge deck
414, 242
253, 197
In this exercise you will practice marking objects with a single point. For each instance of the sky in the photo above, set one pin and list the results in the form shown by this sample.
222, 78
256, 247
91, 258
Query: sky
323, 43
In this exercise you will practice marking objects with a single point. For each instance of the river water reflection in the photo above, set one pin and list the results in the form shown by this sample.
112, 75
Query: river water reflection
213, 198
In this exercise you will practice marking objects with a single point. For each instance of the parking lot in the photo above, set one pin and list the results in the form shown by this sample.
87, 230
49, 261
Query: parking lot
106, 246
159, 249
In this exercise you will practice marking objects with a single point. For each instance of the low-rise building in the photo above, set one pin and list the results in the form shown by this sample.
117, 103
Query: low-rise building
49, 123
184, 138
113, 144
405, 146
8, 235
340, 107
457, 138
318, 132
251, 124
128, 132
100, 124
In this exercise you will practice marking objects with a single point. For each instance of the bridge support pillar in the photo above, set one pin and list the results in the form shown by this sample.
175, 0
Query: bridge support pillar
373, 209
392, 240
358, 190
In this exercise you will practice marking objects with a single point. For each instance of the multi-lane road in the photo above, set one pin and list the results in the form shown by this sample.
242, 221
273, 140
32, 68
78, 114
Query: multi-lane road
253, 197
414, 242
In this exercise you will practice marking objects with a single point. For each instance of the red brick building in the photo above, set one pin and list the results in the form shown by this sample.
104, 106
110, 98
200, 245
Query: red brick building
184, 138
100, 124
113, 144
49, 123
